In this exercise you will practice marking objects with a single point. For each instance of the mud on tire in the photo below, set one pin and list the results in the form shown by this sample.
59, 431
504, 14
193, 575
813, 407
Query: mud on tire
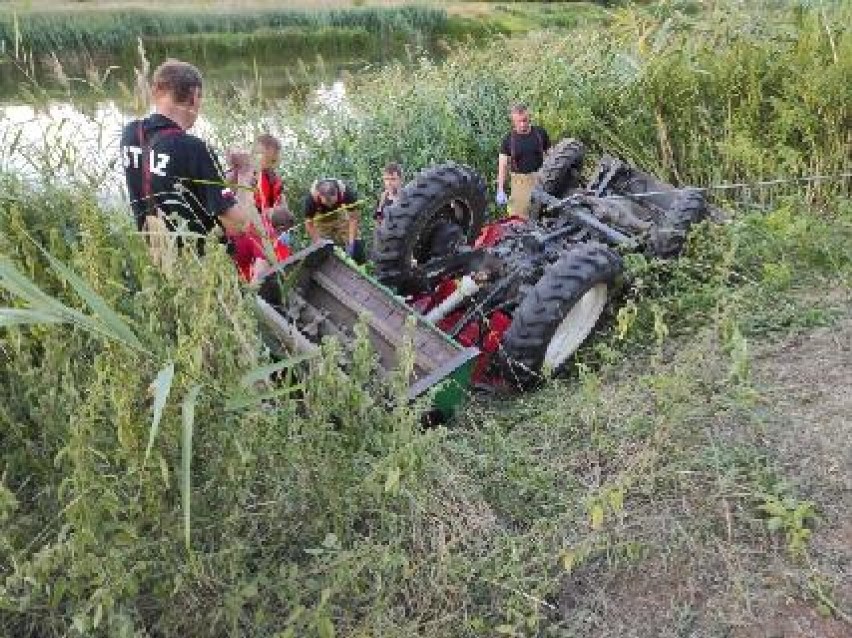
445, 194
560, 311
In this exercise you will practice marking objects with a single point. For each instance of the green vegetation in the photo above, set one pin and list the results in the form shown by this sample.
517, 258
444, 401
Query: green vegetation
256, 36
101, 30
697, 100
264, 44
267, 508
490, 18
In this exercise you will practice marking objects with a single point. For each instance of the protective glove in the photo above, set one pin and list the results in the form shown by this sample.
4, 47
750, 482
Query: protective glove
501, 198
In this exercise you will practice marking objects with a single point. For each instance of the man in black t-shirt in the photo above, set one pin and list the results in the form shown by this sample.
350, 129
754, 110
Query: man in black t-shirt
174, 178
331, 213
521, 154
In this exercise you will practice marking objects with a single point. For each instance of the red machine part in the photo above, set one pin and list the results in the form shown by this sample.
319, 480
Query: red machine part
493, 234
474, 333
487, 336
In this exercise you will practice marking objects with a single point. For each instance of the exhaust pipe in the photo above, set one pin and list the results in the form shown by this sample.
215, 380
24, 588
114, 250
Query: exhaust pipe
466, 288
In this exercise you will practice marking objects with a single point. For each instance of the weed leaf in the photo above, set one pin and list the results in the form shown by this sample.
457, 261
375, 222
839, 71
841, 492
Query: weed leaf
186, 458
596, 516
161, 387
264, 372
569, 559
243, 401
21, 286
18, 316
110, 319
392, 482
325, 628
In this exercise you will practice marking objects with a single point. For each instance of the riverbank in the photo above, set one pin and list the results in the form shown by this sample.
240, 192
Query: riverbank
46, 46
106, 28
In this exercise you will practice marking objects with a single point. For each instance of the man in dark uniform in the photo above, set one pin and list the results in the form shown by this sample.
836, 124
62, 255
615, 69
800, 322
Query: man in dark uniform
173, 178
521, 154
331, 213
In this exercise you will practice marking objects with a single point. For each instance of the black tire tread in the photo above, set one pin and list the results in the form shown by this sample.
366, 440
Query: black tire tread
560, 171
420, 199
670, 233
542, 310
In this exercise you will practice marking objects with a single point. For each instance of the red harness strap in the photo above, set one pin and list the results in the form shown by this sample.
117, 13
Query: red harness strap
268, 191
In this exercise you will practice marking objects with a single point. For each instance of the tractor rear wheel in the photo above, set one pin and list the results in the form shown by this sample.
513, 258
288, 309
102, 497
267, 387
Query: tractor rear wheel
442, 206
559, 313
560, 172
668, 235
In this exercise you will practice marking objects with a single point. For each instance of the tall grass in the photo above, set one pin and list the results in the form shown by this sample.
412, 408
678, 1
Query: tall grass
697, 100
45, 32
326, 512
267, 43
329, 513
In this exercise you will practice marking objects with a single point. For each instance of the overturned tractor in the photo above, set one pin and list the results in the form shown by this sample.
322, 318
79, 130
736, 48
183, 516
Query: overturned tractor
522, 293
527, 293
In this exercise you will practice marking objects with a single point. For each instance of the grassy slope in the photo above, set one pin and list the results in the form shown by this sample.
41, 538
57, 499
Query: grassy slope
462, 8
695, 488
471, 16
223, 5
670, 492
663, 466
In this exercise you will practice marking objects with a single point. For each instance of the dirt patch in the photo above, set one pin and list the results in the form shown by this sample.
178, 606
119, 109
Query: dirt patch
716, 571
807, 383
794, 619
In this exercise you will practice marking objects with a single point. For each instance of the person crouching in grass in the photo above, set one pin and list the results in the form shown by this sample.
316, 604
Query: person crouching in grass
331, 212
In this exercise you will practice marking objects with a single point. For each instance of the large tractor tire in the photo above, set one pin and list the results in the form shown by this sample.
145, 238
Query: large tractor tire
559, 313
441, 207
560, 172
668, 235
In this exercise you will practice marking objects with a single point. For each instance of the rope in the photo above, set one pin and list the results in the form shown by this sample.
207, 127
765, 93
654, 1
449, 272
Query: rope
807, 179
342, 207
738, 185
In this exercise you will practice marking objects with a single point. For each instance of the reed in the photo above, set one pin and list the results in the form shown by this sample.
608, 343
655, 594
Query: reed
105, 30
698, 100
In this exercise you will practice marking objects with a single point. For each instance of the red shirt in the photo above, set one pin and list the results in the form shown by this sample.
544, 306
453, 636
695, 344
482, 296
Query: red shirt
248, 247
267, 193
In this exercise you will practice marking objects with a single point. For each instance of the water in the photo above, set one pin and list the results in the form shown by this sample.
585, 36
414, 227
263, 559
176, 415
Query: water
77, 140
277, 74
